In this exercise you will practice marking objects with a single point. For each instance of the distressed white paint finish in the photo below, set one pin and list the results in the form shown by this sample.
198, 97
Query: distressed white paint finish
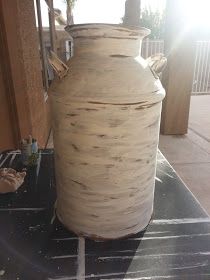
106, 115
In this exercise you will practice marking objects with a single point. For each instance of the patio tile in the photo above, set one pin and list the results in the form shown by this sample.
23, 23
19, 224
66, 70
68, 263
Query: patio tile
199, 118
181, 149
198, 140
197, 177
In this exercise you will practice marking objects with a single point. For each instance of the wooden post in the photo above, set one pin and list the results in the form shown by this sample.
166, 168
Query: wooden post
132, 13
20, 71
178, 76
42, 47
52, 25
12, 72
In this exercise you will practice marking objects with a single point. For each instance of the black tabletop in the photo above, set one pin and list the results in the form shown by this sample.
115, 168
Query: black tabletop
175, 245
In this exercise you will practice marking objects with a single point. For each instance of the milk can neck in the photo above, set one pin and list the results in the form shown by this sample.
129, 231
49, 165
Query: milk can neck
107, 47
114, 40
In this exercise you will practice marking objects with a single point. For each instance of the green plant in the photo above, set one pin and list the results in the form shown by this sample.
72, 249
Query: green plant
155, 21
32, 160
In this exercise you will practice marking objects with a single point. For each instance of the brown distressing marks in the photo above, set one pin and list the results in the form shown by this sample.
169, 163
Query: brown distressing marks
102, 37
93, 215
82, 185
119, 56
109, 165
142, 107
116, 104
87, 109
75, 147
85, 29
117, 159
139, 108
124, 108
72, 115
128, 31
115, 123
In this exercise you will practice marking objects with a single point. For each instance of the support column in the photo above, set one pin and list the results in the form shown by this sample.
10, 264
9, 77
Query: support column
178, 76
132, 13
21, 70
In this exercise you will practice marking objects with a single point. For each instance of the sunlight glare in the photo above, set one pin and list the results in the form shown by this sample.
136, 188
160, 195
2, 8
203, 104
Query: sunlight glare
109, 11
197, 12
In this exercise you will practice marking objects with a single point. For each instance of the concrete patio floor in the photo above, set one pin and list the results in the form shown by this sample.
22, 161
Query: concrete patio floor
190, 154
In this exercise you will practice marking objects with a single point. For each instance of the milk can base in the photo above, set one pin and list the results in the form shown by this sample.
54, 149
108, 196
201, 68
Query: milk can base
100, 238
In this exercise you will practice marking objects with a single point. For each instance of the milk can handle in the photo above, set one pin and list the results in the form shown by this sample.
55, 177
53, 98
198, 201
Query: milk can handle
60, 68
157, 63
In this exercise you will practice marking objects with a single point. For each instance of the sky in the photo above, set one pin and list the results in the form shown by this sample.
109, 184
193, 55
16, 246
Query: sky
87, 11
111, 11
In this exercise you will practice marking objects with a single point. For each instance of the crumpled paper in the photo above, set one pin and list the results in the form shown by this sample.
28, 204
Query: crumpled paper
10, 180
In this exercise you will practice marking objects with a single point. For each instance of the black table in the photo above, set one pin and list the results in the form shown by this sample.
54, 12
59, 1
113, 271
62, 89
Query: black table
175, 245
